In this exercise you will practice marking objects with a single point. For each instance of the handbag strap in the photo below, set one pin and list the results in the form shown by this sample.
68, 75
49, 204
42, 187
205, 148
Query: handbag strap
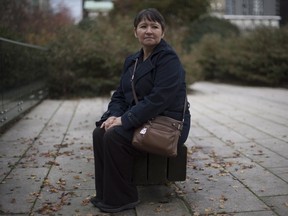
135, 96
132, 81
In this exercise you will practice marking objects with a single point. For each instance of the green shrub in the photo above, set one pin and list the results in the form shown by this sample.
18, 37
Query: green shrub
174, 36
258, 58
265, 52
88, 59
209, 25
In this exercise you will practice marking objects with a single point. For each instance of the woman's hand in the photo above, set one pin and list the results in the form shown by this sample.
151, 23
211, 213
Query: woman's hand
106, 124
111, 122
117, 121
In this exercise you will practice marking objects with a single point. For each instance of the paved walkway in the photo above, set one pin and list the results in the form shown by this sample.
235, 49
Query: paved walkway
237, 162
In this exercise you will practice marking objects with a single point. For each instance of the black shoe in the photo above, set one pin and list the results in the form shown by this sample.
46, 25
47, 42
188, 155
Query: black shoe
95, 201
113, 209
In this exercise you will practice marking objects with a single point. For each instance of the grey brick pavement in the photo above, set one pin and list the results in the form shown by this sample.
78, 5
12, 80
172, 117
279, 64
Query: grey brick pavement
237, 161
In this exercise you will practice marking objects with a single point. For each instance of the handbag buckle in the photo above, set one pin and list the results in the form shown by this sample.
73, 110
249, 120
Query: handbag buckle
178, 126
143, 131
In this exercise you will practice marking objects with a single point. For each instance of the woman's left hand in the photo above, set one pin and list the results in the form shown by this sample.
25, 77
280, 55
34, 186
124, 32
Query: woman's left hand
117, 121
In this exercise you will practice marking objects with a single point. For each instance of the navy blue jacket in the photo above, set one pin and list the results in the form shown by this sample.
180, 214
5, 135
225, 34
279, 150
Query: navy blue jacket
160, 88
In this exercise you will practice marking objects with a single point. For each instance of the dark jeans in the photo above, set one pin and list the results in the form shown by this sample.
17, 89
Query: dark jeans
113, 157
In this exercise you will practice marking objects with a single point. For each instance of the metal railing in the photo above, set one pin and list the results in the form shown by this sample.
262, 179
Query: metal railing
23, 73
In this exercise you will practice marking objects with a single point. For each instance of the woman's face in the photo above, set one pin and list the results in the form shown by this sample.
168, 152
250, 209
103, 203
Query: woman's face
149, 33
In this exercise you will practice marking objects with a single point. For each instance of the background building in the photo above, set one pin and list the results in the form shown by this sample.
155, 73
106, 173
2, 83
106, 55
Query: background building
248, 14
284, 12
94, 8
43, 5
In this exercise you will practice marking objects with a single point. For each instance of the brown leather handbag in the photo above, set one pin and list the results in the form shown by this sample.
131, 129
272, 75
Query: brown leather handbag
159, 135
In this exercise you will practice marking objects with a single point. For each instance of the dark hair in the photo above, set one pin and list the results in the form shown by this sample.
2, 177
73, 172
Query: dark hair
150, 14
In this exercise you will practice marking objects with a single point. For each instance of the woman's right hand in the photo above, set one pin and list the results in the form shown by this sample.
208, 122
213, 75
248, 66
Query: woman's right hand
106, 124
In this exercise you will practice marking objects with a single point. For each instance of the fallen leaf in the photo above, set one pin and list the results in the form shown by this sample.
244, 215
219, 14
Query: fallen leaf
87, 148
51, 154
61, 145
53, 163
158, 209
247, 166
86, 201
208, 210
76, 177
46, 182
67, 153
53, 190
223, 198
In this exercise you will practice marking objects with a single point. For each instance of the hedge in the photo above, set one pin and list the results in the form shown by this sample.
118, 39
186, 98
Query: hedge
257, 58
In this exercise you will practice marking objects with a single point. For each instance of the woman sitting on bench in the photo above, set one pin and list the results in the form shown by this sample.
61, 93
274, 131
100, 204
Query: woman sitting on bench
161, 90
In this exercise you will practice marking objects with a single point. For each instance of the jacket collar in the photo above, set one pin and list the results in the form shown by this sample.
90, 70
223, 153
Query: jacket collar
161, 46
147, 65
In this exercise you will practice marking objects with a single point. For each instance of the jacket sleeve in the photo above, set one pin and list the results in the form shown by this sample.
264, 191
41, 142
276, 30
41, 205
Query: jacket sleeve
117, 106
168, 79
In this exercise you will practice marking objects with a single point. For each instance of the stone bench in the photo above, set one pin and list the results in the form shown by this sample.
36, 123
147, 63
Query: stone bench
155, 169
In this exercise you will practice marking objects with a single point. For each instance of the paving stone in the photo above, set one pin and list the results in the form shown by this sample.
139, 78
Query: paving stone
14, 148
219, 130
80, 176
212, 145
247, 131
31, 124
282, 172
198, 131
211, 190
160, 200
268, 109
59, 124
6, 165
256, 178
155, 193
79, 136
21, 189
241, 114
172, 208
278, 203
39, 154
194, 151
258, 213
227, 118
263, 125
264, 109
88, 111
278, 146
66, 203
260, 154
